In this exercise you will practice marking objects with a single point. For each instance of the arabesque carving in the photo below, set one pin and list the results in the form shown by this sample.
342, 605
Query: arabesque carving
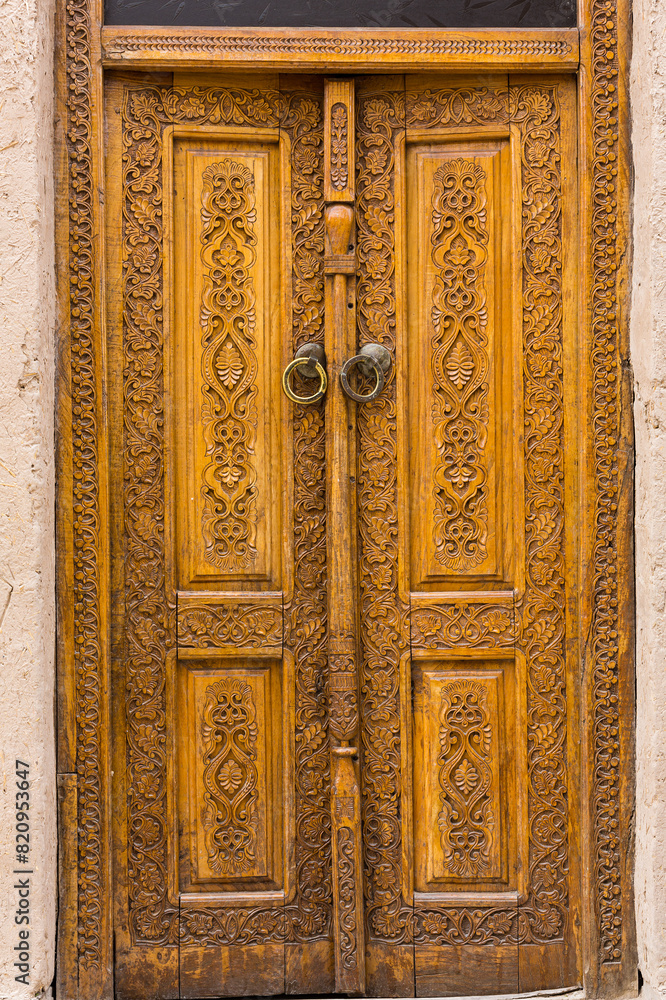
467, 821
463, 625
306, 634
460, 364
535, 111
384, 629
230, 777
347, 897
204, 624
228, 365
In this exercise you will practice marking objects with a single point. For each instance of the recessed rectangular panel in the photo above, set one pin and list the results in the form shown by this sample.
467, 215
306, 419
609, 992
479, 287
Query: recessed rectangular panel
226, 272
458, 290
229, 743
464, 799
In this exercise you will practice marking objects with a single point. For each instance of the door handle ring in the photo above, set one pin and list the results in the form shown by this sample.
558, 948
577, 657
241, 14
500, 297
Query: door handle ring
309, 362
371, 358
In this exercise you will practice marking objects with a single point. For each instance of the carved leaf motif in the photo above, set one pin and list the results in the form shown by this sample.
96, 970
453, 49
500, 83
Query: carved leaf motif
536, 113
339, 154
380, 120
459, 365
347, 897
466, 777
605, 633
229, 365
310, 915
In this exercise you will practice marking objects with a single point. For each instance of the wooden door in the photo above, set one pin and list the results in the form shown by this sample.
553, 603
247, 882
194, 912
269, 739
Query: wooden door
467, 575
345, 686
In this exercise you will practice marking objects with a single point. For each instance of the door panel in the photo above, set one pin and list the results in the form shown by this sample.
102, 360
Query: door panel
408, 823
468, 275
223, 507
459, 262
228, 238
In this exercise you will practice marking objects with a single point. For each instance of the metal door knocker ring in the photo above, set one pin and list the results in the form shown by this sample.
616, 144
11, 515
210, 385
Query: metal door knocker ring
314, 367
372, 358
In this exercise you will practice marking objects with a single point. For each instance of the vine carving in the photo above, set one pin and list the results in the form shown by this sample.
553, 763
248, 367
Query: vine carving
86, 539
147, 111
347, 897
606, 255
339, 151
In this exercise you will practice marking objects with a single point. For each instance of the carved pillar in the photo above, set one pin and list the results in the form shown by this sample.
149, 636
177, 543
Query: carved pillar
340, 266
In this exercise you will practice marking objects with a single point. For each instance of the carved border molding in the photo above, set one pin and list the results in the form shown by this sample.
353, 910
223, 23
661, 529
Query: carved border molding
86, 542
605, 253
548, 49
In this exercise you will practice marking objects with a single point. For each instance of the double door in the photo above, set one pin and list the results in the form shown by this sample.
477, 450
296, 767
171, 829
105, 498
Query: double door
342, 328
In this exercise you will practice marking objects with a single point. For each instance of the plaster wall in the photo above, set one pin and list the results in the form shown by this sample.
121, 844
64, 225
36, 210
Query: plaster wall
648, 349
27, 316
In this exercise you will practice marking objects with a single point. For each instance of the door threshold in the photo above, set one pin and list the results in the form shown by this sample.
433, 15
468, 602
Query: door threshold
570, 992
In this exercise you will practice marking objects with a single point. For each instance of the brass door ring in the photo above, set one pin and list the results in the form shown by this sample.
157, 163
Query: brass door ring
304, 362
373, 357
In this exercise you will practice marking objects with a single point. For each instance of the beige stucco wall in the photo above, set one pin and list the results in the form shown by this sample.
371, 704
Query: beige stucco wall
26, 477
648, 346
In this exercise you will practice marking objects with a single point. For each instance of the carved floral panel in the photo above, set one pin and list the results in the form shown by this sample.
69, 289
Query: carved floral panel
228, 365
228, 735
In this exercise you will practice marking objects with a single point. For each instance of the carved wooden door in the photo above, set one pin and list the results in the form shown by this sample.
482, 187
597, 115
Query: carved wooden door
345, 685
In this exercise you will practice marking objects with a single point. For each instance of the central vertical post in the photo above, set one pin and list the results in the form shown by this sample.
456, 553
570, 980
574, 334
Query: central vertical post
340, 271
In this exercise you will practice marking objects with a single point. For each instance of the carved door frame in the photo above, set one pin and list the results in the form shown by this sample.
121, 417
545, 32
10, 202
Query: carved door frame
598, 53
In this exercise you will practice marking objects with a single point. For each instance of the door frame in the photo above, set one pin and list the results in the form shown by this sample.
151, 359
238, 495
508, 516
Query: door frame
598, 52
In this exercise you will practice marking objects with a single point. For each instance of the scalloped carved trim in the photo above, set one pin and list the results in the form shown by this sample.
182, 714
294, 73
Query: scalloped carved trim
346, 45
